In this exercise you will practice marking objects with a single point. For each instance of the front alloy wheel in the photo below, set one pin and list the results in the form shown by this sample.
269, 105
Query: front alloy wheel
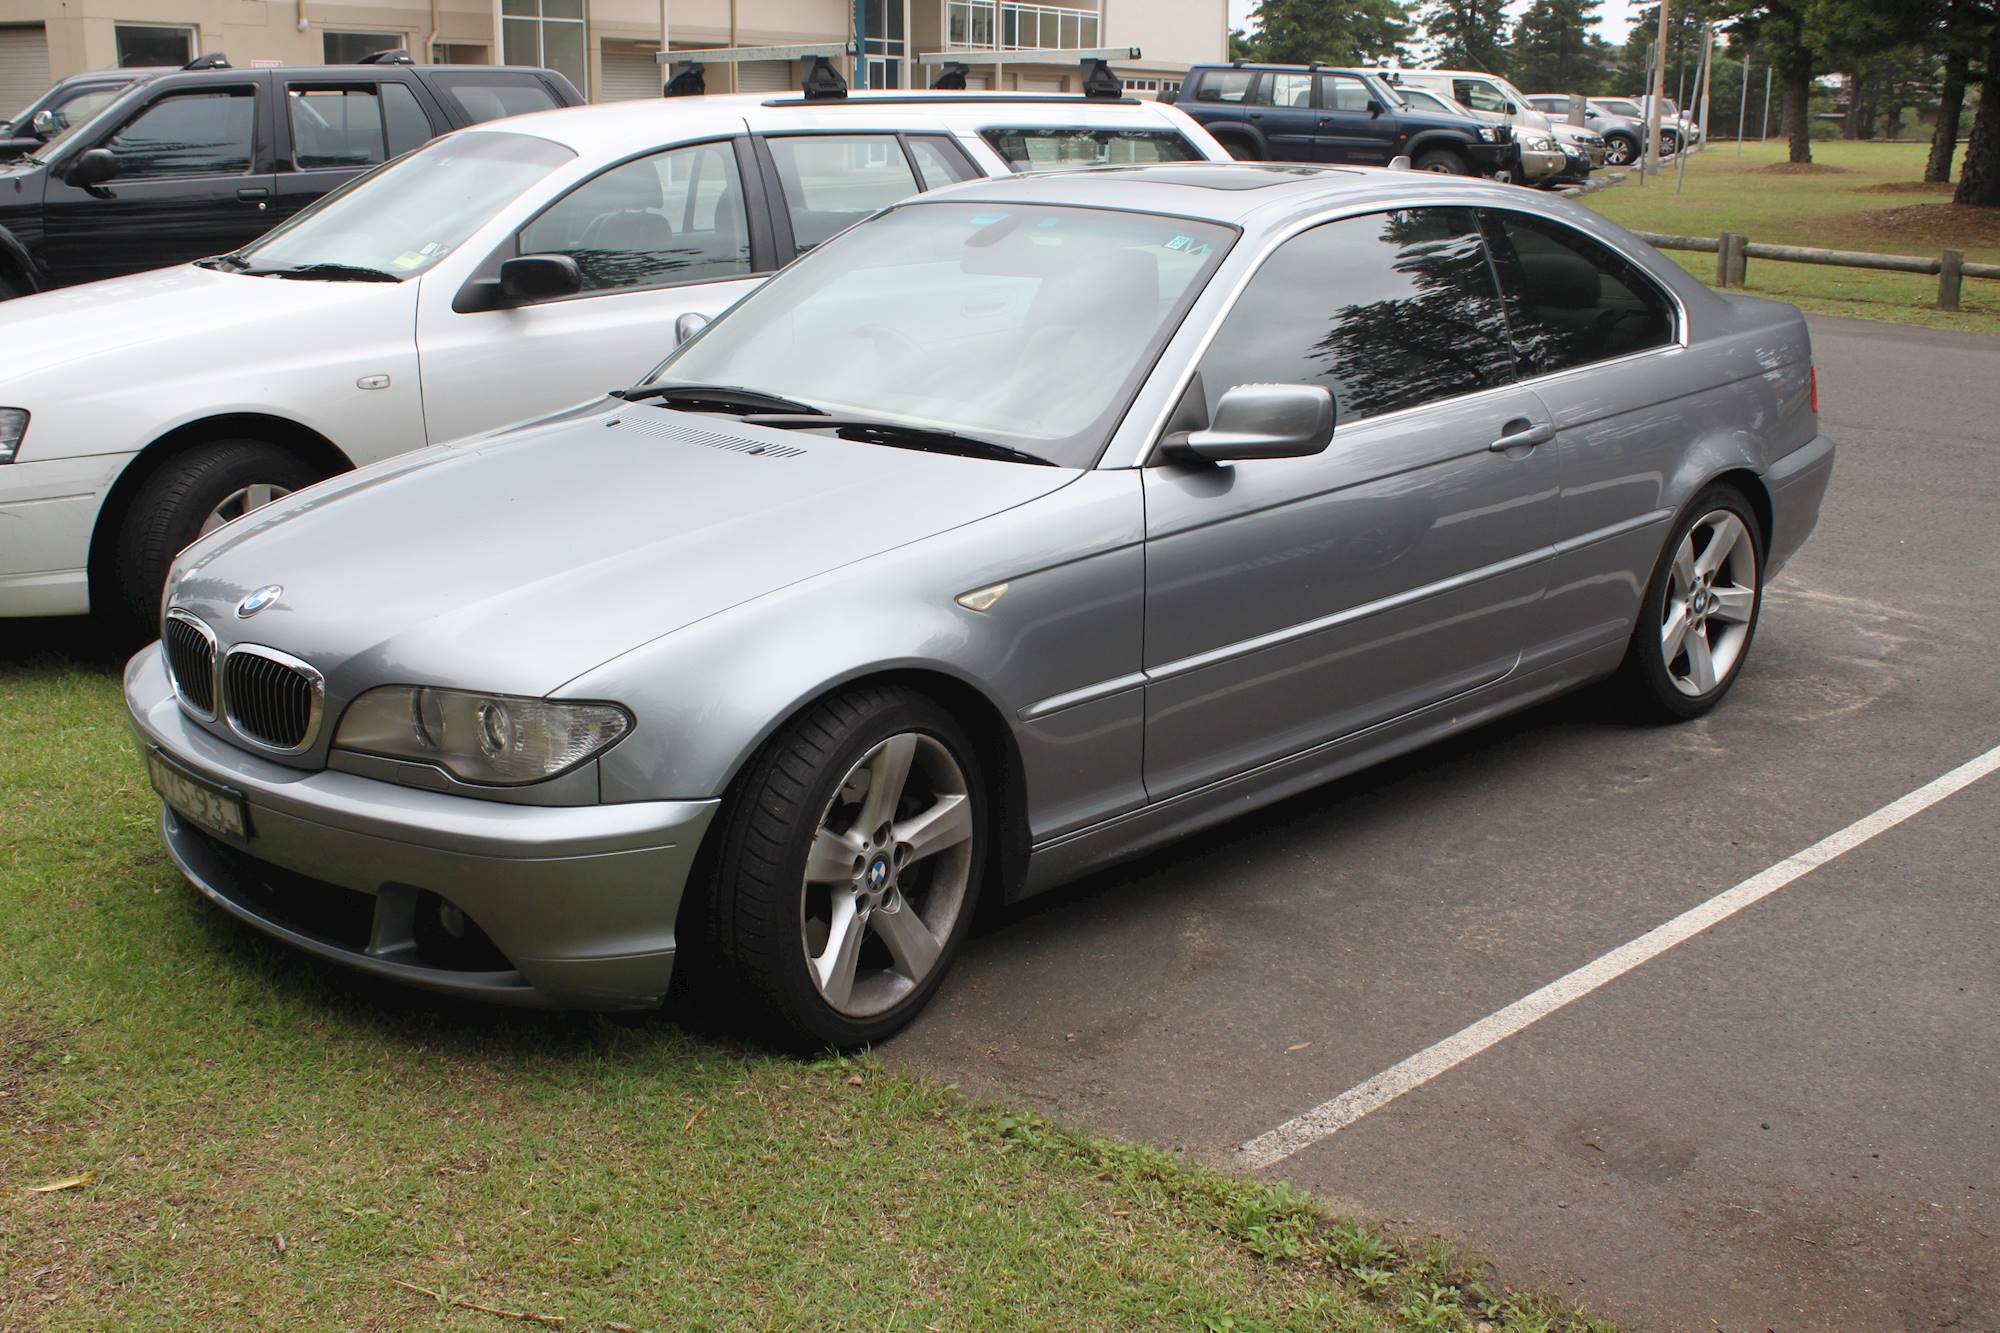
1618, 150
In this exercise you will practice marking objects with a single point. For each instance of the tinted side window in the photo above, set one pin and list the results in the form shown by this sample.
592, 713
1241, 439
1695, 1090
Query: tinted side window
190, 134
1572, 299
833, 180
1224, 85
409, 126
1294, 90
940, 161
1343, 92
672, 217
1388, 311
494, 96
335, 127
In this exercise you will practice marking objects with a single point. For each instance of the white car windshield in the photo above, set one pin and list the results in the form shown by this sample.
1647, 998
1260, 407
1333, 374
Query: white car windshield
409, 213
1027, 326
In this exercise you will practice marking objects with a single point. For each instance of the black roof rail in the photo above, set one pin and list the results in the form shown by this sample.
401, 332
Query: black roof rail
1099, 81
209, 60
822, 82
687, 81
398, 56
952, 77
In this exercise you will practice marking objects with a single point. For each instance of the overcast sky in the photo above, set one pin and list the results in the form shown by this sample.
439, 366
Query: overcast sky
1615, 16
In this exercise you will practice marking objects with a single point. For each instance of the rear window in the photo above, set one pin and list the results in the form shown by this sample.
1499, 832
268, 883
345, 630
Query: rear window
1225, 85
494, 96
1046, 148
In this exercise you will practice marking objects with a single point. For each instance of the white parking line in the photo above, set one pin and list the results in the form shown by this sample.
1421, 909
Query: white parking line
1330, 1118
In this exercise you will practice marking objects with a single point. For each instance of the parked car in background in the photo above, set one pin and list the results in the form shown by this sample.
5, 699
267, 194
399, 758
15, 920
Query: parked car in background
1537, 157
194, 162
1300, 113
1624, 108
1688, 128
63, 107
1624, 136
1163, 493
498, 274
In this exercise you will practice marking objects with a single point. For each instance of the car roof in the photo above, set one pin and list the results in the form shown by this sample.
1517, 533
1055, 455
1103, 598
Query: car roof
619, 126
1231, 193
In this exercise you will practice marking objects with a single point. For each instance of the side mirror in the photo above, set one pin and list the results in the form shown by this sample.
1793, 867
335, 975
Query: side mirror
1375, 108
531, 278
93, 167
47, 123
688, 325
1256, 421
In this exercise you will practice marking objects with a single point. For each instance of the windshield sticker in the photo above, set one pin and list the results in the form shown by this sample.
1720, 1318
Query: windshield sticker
407, 259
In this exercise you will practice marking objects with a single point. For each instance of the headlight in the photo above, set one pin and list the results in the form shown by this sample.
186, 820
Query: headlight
13, 425
1488, 133
497, 739
1539, 143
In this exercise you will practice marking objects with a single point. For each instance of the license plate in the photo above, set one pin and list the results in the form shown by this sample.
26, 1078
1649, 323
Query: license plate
217, 809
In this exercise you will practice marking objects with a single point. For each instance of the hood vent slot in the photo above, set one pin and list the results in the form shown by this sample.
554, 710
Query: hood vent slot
654, 423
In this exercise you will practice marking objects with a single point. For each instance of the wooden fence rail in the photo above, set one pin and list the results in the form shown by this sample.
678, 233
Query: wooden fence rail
1731, 250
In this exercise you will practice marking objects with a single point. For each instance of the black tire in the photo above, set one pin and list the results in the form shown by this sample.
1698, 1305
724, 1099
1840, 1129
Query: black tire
1620, 150
1644, 679
753, 914
1240, 148
1448, 161
168, 510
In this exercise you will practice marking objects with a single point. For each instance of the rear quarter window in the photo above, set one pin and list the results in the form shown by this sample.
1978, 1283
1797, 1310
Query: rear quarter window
494, 96
1056, 148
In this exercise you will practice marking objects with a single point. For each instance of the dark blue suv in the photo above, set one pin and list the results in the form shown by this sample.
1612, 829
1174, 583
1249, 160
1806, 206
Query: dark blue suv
1312, 113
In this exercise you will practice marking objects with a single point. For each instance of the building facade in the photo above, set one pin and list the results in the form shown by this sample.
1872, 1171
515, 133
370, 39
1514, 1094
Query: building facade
610, 48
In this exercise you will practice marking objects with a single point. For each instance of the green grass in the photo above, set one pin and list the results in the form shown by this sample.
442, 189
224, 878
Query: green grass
1841, 210
221, 1093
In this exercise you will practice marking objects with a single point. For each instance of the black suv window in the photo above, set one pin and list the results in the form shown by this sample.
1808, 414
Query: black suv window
1388, 310
1573, 299
676, 216
1343, 92
1225, 85
491, 96
188, 134
336, 127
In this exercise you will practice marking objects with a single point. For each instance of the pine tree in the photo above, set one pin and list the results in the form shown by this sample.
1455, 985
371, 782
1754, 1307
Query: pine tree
1467, 34
1556, 48
1339, 32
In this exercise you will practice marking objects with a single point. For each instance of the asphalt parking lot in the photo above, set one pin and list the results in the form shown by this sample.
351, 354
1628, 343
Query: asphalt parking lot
1791, 1120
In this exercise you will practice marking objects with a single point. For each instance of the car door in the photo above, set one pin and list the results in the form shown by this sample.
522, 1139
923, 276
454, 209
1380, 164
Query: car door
332, 130
1289, 121
1603, 339
193, 179
1292, 602
1349, 130
676, 231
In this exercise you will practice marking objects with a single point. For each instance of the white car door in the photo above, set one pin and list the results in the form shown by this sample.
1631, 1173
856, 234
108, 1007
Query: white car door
655, 237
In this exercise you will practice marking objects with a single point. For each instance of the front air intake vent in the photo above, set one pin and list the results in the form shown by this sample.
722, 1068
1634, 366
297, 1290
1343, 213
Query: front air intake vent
190, 653
668, 429
272, 699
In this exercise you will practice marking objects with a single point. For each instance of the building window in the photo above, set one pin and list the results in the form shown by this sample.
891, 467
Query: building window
458, 53
1002, 24
547, 34
154, 44
345, 48
883, 43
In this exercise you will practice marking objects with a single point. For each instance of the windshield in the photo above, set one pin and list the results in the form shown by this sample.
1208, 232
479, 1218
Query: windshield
1025, 325
1059, 149
409, 213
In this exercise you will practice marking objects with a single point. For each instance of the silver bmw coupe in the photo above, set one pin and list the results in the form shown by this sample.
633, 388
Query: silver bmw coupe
1025, 526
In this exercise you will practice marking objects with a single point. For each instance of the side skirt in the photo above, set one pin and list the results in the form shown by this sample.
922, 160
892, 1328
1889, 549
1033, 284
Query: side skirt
1074, 854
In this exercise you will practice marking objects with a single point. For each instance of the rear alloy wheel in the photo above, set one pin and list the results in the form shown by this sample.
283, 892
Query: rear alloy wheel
1444, 161
1701, 609
850, 868
1619, 150
191, 495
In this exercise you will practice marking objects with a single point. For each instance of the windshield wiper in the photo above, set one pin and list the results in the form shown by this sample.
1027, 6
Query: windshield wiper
718, 398
327, 272
229, 263
898, 435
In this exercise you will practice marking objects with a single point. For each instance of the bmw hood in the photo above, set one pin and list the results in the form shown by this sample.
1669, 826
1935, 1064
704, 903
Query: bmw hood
517, 562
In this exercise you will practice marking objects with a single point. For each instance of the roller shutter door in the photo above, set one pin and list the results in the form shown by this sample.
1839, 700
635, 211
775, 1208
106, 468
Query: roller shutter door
766, 76
24, 66
629, 75
1030, 84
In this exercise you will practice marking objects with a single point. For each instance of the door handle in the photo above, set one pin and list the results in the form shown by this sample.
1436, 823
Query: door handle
253, 193
1521, 433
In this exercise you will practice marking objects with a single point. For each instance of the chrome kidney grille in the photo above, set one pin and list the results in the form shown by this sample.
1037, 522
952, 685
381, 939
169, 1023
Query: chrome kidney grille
190, 649
271, 698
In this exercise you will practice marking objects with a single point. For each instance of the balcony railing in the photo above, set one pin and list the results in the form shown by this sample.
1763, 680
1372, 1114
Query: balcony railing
1001, 25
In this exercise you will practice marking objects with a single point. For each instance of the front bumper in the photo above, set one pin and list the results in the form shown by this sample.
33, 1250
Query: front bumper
1538, 166
562, 906
48, 508
1488, 158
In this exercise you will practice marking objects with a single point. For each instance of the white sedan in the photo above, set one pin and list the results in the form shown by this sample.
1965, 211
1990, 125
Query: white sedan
495, 275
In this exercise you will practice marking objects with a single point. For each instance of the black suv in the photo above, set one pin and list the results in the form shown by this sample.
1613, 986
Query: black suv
197, 162
1310, 113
